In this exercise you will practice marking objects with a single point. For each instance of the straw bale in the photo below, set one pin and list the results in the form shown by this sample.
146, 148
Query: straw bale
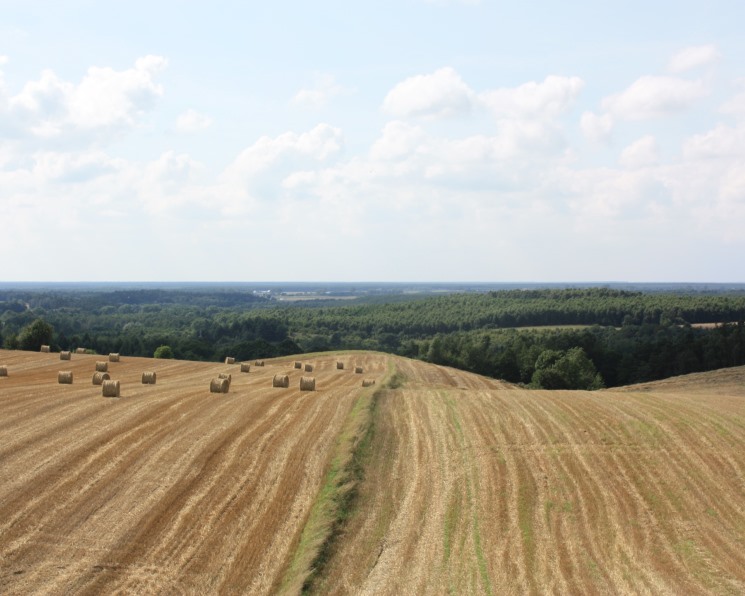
110, 389
45, 349
219, 386
64, 377
229, 360
339, 366
102, 366
358, 370
368, 382
245, 367
259, 363
3, 371
113, 357
80, 350
281, 381
298, 364
148, 378
308, 368
227, 376
100, 377
307, 383
65, 355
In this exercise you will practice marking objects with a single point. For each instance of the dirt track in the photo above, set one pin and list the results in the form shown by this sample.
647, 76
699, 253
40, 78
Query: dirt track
472, 486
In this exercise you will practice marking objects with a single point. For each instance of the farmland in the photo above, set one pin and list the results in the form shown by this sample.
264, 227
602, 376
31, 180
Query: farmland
470, 485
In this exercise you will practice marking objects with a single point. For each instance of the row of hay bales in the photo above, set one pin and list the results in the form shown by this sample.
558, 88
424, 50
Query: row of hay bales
67, 355
283, 381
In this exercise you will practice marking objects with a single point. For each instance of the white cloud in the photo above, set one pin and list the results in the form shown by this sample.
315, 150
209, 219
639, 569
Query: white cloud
734, 106
437, 95
693, 57
192, 121
324, 89
641, 153
105, 100
548, 99
597, 128
654, 97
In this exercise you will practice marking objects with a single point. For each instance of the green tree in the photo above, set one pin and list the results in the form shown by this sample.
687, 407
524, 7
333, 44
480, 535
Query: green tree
163, 352
571, 369
33, 336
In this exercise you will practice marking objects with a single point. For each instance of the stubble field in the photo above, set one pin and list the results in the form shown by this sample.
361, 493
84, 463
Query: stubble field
470, 485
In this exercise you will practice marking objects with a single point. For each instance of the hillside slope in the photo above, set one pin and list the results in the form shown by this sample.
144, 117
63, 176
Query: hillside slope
471, 485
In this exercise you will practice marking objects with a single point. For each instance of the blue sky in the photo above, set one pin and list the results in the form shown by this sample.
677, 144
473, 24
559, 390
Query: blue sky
414, 140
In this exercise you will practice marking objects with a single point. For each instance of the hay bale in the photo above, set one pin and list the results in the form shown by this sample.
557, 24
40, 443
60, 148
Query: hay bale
259, 363
281, 381
298, 364
80, 350
65, 355
64, 377
358, 370
245, 367
227, 376
339, 366
148, 378
3, 371
219, 386
113, 357
102, 366
110, 389
368, 382
307, 383
45, 349
100, 377
308, 368
229, 360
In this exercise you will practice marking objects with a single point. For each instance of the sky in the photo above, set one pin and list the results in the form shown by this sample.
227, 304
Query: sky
415, 140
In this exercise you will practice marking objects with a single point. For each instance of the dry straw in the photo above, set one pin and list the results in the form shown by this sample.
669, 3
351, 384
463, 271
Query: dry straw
45, 349
80, 350
358, 370
100, 377
148, 378
64, 377
281, 381
339, 366
110, 389
298, 364
3, 371
226, 376
368, 382
102, 366
307, 384
245, 367
259, 363
113, 357
65, 356
219, 386
229, 360
308, 368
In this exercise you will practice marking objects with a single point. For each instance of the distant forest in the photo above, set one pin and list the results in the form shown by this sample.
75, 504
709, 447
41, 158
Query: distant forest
546, 338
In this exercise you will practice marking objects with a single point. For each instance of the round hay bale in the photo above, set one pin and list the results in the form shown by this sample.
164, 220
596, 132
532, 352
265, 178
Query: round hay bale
308, 368
339, 366
307, 383
148, 378
281, 381
110, 389
219, 386
3, 371
229, 360
113, 357
80, 350
245, 367
102, 366
100, 377
65, 356
259, 363
45, 349
64, 377
368, 382
227, 376
298, 364
358, 370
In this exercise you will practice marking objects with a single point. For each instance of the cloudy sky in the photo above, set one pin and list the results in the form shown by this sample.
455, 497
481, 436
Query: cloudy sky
420, 140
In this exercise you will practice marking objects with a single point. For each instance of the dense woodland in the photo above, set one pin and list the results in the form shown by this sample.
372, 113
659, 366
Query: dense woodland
550, 338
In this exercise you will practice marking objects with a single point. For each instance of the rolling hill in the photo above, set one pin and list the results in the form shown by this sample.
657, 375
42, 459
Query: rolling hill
431, 481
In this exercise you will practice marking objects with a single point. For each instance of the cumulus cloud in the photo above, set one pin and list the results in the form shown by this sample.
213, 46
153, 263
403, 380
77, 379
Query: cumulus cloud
641, 153
104, 100
324, 89
693, 57
596, 127
438, 95
548, 99
192, 121
653, 97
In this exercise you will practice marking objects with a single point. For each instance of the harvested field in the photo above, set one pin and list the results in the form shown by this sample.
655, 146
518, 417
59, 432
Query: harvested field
470, 485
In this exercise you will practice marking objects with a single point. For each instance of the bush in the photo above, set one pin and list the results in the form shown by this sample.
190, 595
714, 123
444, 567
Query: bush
163, 352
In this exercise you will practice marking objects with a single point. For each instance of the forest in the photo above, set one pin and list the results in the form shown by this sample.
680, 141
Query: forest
575, 338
